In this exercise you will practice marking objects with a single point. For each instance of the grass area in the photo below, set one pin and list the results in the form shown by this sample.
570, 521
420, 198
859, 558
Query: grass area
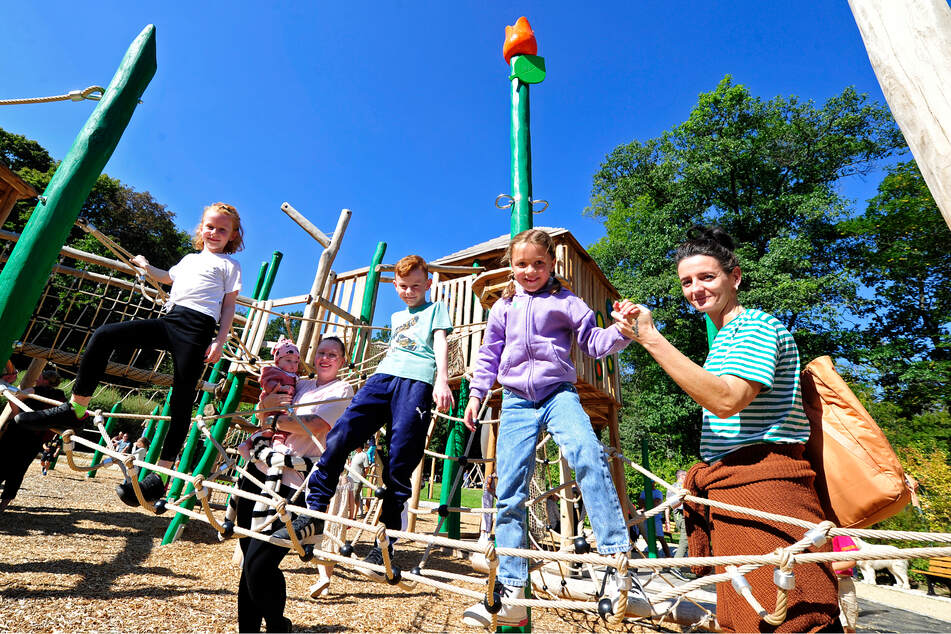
471, 498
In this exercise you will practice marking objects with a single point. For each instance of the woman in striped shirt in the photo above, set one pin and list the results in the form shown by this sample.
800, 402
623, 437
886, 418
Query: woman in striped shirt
752, 440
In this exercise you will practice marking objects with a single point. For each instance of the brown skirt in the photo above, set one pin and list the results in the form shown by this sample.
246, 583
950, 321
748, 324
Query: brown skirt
776, 479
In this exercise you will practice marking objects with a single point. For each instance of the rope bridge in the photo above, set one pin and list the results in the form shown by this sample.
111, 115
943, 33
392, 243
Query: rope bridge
610, 585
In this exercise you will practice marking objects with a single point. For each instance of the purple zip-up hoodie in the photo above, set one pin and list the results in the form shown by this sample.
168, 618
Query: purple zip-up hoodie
527, 343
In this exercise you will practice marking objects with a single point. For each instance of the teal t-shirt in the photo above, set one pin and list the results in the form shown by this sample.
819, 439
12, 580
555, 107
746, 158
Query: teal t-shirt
410, 354
757, 347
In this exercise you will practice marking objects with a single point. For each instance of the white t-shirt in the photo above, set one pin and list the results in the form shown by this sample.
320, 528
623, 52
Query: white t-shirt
359, 464
201, 280
298, 441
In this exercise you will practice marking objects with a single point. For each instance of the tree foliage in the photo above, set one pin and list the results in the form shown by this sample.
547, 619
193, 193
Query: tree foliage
135, 220
900, 249
764, 170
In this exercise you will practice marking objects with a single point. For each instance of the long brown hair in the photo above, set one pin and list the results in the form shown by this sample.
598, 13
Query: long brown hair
236, 243
540, 239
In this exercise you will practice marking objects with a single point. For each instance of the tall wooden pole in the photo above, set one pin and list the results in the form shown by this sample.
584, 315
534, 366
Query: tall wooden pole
31, 262
909, 45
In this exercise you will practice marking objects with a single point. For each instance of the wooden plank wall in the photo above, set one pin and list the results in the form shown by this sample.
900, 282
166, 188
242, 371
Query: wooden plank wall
466, 313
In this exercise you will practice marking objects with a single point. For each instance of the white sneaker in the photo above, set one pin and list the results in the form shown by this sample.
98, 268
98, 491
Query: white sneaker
478, 616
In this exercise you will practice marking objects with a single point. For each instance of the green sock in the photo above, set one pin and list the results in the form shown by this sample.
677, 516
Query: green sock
79, 409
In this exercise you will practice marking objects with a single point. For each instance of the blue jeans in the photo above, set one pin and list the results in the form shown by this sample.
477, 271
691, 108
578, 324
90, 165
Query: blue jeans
570, 427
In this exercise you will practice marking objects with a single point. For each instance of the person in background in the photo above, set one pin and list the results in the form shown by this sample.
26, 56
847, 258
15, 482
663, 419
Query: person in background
357, 470
677, 511
848, 603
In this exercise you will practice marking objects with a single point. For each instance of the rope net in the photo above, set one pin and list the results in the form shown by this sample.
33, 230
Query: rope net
563, 578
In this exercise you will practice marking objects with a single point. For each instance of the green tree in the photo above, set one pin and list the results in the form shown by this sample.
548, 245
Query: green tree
135, 220
900, 249
276, 327
766, 171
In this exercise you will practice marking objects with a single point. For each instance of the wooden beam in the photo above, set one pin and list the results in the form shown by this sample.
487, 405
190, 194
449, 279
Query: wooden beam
909, 45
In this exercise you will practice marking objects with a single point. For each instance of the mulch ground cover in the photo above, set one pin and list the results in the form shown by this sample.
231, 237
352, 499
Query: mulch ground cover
75, 559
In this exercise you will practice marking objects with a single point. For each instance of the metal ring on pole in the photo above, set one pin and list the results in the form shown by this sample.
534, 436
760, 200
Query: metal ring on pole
538, 211
508, 198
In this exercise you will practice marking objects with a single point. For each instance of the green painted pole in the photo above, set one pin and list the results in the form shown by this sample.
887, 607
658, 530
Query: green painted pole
110, 425
185, 463
207, 461
262, 273
650, 524
265, 290
525, 70
370, 291
521, 156
31, 261
454, 448
157, 438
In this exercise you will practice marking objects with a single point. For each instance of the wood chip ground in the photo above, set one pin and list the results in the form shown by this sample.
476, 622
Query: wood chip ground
75, 559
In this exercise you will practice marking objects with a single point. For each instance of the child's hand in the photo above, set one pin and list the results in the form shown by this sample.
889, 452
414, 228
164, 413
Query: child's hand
443, 396
141, 262
470, 418
633, 320
214, 352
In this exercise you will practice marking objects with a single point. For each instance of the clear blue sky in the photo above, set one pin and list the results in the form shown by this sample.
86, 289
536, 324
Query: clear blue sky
400, 110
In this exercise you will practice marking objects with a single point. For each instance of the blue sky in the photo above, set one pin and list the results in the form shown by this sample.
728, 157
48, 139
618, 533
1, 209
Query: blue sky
398, 110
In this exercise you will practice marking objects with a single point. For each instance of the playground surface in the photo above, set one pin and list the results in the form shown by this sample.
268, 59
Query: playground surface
75, 559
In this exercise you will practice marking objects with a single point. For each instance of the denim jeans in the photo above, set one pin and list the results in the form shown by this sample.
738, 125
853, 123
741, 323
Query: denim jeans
561, 413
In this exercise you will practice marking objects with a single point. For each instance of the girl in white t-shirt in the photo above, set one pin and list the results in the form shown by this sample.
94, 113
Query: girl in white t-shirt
205, 286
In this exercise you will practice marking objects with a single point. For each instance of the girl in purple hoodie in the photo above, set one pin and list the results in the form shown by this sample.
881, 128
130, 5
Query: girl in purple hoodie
527, 347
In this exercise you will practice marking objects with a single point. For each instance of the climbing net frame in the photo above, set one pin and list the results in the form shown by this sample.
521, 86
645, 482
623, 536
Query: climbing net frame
662, 604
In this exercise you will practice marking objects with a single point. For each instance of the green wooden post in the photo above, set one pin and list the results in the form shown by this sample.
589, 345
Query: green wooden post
526, 70
368, 307
31, 261
208, 458
110, 425
262, 273
156, 435
454, 448
649, 528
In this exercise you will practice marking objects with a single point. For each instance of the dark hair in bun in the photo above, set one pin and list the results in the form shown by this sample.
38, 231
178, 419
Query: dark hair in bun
711, 241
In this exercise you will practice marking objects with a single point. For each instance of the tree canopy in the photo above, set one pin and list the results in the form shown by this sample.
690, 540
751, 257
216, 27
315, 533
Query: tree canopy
766, 171
133, 219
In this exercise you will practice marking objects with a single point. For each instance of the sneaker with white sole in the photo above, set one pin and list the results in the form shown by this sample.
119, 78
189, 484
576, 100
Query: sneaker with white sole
512, 615
307, 528
375, 557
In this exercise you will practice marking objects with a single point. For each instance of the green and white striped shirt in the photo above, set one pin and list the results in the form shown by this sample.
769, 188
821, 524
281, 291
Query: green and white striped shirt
756, 347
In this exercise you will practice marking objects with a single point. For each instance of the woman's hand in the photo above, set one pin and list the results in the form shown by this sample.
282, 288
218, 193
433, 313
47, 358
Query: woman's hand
471, 417
274, 401
635, 321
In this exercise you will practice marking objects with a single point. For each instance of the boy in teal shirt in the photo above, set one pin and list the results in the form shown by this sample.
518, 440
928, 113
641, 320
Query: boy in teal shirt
413, 373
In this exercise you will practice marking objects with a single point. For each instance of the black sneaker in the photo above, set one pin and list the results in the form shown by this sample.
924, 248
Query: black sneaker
305, 527
62, 416
375, 557
151, 485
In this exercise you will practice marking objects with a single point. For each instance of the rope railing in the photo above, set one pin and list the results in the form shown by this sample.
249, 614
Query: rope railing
737, 566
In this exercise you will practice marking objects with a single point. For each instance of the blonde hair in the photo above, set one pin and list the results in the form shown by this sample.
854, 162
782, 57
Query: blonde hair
409, 264
540, 239
236, 243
